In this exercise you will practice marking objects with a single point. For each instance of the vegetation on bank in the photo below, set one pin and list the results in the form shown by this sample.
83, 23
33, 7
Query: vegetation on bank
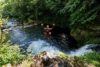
87, 60
85, 36
93, 58
10, 54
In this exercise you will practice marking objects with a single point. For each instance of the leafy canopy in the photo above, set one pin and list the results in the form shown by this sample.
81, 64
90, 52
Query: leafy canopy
62, 12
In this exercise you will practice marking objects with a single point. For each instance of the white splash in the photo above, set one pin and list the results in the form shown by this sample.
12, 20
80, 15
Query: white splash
39, 46
11, 23
81, 51
18, 35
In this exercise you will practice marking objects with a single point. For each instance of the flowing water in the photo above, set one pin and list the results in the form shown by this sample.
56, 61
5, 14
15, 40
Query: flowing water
31, 39
81, 51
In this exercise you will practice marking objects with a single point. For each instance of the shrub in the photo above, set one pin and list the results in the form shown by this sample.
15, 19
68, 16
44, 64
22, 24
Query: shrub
93, 58
10, 53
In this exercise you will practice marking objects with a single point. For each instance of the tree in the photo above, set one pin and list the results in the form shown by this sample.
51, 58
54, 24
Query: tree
62, 12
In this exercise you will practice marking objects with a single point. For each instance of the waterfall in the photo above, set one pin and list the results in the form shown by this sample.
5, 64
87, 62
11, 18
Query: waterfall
81, 51
19, 36
40, 45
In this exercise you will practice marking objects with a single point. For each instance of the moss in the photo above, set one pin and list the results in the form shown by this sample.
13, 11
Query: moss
84, 36
63, 55
93, 58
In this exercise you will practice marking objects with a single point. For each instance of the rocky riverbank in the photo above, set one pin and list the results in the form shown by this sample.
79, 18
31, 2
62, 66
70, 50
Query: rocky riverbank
43, 60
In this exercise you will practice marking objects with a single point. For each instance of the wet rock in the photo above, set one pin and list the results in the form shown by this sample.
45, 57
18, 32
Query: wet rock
45, 61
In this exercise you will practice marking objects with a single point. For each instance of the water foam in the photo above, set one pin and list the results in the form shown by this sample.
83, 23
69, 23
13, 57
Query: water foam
18, 35
40, 45
81, 51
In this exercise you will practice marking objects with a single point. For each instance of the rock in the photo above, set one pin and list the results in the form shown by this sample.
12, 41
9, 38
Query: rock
45, 61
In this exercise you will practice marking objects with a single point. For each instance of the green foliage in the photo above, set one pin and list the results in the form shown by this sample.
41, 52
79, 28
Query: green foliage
89, 58
10, 54
61, 12
63, 55
82, 12
93, 58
